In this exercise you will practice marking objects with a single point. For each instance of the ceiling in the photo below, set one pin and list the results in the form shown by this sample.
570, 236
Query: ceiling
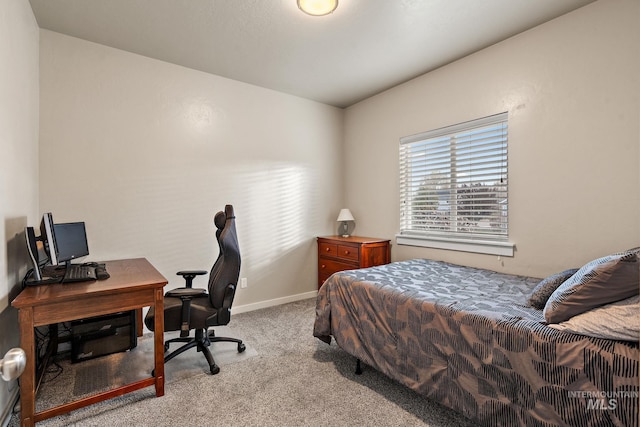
363, 48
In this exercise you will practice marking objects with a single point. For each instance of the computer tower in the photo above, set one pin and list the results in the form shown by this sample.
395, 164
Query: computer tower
102, 335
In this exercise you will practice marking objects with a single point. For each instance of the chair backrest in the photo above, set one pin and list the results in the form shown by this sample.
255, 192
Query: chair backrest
226, 269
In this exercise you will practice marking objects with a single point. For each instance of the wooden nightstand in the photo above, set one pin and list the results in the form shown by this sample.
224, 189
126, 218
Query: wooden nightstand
336, 253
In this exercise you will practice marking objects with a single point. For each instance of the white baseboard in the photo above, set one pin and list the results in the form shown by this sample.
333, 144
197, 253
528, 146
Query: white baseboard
236, 309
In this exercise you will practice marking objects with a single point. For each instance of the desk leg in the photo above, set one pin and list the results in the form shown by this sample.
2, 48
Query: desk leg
28, 378
139, 322
158, 341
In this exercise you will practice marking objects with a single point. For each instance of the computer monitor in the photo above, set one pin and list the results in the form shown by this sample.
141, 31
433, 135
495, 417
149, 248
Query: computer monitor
71, 241
37, 245
63, 242
47, 235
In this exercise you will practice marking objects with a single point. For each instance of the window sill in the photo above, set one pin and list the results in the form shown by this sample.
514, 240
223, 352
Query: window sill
477, 246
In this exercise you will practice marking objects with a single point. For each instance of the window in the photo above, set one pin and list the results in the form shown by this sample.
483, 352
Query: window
453, 187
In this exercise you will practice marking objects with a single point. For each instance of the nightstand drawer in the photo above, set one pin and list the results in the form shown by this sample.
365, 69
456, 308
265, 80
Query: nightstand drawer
327, 267
327, 249
348, 252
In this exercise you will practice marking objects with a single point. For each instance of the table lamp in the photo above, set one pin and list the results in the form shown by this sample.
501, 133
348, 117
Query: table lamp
345, 216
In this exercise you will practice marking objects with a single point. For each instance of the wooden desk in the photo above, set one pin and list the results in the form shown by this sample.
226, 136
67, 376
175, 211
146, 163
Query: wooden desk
134, 283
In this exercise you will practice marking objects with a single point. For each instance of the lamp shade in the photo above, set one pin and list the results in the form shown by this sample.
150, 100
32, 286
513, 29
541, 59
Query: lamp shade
345, 215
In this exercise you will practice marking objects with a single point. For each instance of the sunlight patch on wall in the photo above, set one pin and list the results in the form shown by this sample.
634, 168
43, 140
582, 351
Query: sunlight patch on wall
278, 199
167, 216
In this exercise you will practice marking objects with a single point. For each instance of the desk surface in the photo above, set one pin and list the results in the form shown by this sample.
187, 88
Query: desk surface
130, 281
134, 283
126, 275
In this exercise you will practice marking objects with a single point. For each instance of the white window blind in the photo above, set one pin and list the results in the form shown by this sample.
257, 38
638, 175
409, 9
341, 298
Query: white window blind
454, 182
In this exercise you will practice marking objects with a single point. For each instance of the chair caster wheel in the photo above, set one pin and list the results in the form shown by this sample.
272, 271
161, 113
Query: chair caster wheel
241, 347
214, 369
166, 347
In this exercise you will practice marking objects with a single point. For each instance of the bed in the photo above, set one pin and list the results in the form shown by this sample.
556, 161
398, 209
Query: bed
466, 338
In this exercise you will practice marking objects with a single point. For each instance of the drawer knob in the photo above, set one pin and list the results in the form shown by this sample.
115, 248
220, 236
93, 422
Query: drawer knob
323, 266
346, 252
327, 249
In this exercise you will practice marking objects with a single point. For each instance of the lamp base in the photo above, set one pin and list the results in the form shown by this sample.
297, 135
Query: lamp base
344, 229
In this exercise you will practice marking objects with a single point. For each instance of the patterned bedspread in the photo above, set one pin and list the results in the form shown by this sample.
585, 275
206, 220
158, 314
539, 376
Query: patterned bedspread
464, 337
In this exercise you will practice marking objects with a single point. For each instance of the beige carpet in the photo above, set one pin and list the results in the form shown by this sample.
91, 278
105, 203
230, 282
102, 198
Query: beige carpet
286, 377
121, 368
66, 380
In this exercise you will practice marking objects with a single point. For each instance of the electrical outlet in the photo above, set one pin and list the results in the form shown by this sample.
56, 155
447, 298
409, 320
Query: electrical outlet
243, 282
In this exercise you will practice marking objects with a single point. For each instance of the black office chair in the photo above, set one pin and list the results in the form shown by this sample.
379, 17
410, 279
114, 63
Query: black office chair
188, 308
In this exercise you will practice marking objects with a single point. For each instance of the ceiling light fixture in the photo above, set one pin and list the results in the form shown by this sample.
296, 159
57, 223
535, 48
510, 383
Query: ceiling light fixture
317, 7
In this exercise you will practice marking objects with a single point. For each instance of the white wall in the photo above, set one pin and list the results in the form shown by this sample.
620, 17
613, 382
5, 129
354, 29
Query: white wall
145, 152
18, 164
571, 88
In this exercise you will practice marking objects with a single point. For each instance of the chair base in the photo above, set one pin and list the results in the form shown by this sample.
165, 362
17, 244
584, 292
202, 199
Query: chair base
201, 341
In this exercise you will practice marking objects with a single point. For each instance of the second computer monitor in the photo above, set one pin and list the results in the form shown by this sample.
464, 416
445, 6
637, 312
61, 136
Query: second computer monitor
71, 241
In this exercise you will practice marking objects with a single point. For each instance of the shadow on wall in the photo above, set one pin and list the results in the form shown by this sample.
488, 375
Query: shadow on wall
17, 265
9, 338
17, 257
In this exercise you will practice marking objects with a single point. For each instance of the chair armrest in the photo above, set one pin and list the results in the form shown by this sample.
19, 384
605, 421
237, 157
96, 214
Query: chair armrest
186, 292
191, 272
189, 275
229, 293
224, 314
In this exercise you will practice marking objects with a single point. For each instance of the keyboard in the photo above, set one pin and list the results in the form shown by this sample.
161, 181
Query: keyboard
79, 273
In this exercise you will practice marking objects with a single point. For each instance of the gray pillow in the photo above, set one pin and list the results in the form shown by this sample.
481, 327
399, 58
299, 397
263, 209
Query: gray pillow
619, 320
543, 290
601, 281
